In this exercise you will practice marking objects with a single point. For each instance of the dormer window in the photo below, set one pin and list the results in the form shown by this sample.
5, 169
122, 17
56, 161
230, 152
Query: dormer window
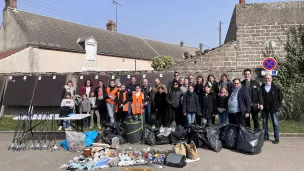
90, 45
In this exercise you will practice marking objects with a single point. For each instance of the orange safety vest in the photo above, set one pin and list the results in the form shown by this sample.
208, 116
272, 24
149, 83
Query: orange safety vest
137, 104
112, 93
125, 107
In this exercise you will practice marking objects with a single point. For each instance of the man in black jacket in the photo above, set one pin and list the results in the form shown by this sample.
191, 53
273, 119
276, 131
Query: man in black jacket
239, 103
131, 88
255, 92
272, 101
174, 100
147, 90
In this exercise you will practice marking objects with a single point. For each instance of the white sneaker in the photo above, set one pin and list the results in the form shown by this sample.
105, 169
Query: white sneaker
60, 128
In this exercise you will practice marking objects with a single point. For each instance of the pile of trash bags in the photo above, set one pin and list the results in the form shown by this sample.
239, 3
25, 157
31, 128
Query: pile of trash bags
235, 137
112, 130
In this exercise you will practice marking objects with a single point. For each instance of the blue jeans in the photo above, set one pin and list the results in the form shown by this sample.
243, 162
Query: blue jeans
275, 122
147, 114
66, 123
191, 118
223, 117
130, 109
111, 110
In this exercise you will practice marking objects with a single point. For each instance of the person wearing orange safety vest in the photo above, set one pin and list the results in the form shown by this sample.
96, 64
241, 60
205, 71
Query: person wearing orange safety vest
122, 104
111, 92
138, 103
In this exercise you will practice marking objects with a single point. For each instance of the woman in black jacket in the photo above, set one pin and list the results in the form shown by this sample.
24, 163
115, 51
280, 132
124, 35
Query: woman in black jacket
174, 101
101, 94
191, 106
208, 106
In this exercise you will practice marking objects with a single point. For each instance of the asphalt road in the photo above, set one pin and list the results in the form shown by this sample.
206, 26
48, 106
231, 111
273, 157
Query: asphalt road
288, 155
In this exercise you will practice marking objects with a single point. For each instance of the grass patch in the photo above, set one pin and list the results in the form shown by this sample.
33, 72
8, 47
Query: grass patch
8, 124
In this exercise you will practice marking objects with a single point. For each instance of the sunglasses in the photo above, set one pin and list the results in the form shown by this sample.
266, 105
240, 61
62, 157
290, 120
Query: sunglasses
176, 75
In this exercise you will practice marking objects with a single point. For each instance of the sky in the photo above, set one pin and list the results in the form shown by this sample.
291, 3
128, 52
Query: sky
193, 21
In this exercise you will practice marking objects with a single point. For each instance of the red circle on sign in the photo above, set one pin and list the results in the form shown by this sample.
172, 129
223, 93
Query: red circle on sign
269, 63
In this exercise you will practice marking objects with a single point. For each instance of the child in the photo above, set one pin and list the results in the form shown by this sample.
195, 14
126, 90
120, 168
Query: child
222, 106
208, 105
138, 103
67, 105
95, 102
84, 108
122, 105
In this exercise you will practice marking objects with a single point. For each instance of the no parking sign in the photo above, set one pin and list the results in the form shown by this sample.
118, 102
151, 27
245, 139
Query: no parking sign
269, 63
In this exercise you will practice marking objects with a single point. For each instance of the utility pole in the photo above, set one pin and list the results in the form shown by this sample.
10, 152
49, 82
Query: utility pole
116, 3
220, 33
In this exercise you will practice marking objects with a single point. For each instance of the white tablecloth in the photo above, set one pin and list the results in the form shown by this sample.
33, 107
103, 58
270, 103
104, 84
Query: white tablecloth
50, 116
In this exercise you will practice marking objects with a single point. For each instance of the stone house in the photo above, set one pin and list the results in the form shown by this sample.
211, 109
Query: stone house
252, 27
35, 43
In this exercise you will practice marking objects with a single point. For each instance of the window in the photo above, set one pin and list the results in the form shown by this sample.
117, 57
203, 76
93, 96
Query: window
91, 51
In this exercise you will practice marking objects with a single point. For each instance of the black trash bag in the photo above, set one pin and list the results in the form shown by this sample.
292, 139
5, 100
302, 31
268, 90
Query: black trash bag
228, 136
213, 137
162, 137
198, 135
250, 141
108, 139
149, 137
113, 128
179, 135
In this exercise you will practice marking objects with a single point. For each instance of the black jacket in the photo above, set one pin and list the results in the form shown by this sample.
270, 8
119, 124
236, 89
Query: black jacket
214, 87
222, 102
198, 88
272, 101
97, 103
63, 92
243, 100
191, 103
207, 104
103, 90
120, 100
174, 97
254, 91
132, 88
147, 93
161, 101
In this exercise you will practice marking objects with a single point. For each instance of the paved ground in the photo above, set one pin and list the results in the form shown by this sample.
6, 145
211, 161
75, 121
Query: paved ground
288, 155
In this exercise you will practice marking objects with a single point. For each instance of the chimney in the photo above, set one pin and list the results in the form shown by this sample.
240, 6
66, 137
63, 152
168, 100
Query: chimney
242, 1
111, 26
182, 43
10, 4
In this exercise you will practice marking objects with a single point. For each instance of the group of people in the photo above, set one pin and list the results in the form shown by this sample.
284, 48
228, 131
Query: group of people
183, 99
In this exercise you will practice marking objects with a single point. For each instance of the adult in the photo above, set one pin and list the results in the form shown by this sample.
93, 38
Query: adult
191, 79
212, 84
147, 90
111, 92
208, 105
255, 92
87, 88
68, 88
225, 82
191, 105
174, 100
184, 84
160, 102
176, 78
239, 103
117, 82
272, 101
199, 84
101, 94
131, 88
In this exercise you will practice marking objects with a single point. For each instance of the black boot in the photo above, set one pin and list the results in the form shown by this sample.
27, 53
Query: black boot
276, 141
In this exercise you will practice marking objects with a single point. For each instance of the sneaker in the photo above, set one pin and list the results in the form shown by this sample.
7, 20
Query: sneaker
99, 127
91, 127
276, 142
60, 128
66, 129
